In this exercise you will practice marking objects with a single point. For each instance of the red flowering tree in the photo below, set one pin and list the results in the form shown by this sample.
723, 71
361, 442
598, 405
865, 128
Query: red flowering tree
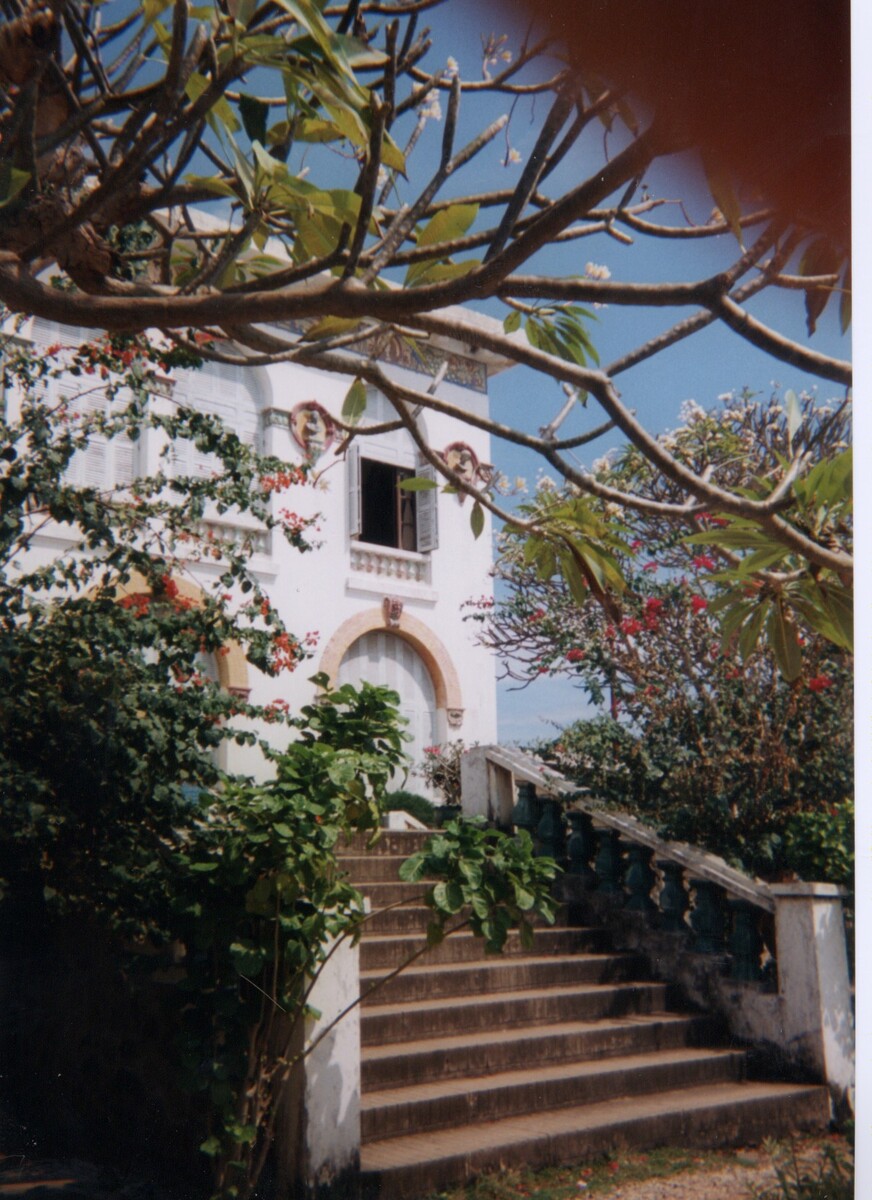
716, 736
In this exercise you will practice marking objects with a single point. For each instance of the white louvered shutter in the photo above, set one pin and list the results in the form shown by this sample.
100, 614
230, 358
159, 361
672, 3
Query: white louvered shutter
427, 512
353, 495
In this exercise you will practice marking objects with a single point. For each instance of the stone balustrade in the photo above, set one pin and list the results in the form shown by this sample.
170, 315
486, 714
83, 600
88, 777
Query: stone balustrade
770, 958
387, 563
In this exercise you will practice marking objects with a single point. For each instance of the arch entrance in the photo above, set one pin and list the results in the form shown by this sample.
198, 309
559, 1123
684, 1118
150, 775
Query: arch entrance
401, 652
381, 657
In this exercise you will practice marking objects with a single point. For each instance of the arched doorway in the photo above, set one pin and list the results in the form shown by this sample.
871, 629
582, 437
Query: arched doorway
382, 657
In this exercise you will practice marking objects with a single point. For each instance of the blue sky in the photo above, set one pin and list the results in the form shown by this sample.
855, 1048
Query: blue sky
702, 367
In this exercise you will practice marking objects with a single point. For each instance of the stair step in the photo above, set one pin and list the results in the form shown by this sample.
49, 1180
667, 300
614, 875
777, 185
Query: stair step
372, 868
390, 841
414, 918
390, 950
712, 1115
410, 919
441, 1104
489, 1051
380, 895
413, 1020
499, 975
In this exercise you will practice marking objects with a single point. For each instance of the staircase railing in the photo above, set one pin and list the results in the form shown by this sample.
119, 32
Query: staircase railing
769, 958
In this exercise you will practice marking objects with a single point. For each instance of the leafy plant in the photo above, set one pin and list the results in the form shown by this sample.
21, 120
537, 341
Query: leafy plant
441, 769
497, 878
410, 802
831, 1177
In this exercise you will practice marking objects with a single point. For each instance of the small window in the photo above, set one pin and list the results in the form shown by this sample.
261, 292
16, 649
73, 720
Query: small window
382, 513
388, 511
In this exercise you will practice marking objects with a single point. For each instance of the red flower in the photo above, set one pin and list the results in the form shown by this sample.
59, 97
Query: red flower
169, 585
637, 544
820, 683
698, 603
650, 566
653, 605
537, 615
574, 655
609, 632
631, 626
704, 562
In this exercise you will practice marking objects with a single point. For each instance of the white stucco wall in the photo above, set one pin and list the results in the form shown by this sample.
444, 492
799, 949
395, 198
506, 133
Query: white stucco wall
322, 591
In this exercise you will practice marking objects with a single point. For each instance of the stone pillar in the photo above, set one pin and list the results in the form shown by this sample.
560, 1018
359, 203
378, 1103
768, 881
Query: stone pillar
487, 790
813, 982
321, 1157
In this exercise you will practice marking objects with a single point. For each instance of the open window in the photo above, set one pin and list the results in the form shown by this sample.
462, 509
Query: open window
382, 513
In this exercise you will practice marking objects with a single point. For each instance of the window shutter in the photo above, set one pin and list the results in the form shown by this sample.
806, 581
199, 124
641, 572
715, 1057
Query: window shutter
353, 494
427, 511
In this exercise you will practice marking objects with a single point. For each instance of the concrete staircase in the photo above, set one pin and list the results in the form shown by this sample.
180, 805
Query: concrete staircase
472, 1061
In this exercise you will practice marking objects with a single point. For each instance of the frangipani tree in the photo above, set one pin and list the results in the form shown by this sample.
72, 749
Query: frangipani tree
699, 727
294, 125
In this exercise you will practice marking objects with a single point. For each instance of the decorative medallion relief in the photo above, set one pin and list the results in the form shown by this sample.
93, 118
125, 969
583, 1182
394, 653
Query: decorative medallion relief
455, 717
312, 427
392, 606
463, 460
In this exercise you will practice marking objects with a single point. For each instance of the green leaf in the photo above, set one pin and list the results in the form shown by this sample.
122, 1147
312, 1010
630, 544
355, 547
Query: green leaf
417, 483
838, 603
438, 272
254, 113
391, 155
724, 194
12, 181
512, 321
354, 404
448, 224
784, 643
476, 520
750, 634
330, 327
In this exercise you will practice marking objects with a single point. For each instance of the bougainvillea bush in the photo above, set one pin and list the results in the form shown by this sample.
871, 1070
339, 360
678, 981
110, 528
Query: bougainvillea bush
715, 736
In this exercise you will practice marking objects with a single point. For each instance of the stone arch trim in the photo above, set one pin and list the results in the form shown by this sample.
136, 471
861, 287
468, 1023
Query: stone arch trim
446, 683
232, 666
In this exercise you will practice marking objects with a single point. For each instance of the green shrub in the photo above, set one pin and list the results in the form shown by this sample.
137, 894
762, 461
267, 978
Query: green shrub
413, 804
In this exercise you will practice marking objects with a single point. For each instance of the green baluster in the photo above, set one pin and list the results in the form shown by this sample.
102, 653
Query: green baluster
639, 879
581, 848
674, 900
707, 918
746, 945
549, 831
524, 813
608, 862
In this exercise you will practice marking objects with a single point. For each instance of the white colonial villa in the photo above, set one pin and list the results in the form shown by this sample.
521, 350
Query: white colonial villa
381, 598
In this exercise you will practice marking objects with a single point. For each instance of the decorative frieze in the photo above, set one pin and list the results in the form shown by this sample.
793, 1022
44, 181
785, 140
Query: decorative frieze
414, 354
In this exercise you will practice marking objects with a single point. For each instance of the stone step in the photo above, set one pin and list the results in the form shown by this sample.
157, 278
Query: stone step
410, 919
413, 1020
390, 841
441, 1104
390, 950
362, 869
488, 1051
498, 975
381, 895
720, 1114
